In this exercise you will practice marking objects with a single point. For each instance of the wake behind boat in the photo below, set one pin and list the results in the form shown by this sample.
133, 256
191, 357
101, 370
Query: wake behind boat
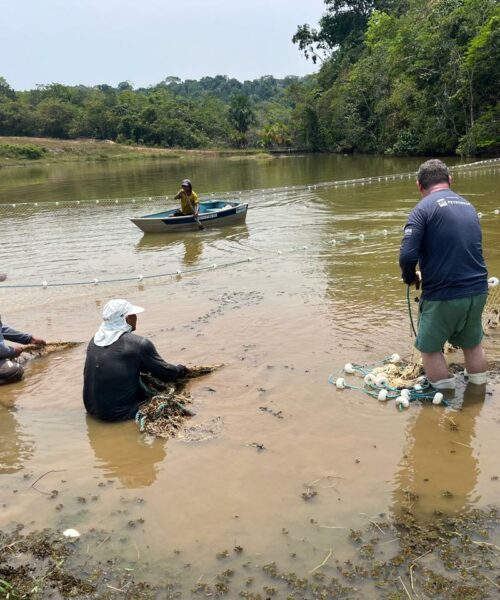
215, 213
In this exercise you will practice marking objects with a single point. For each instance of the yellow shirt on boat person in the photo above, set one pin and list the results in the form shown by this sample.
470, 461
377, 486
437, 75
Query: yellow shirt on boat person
188, 203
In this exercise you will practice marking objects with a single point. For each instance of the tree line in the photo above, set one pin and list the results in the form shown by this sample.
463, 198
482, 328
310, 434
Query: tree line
403, 77
394, 77
212, 112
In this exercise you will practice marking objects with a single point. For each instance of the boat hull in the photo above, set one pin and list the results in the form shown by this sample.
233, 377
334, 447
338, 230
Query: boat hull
230, 214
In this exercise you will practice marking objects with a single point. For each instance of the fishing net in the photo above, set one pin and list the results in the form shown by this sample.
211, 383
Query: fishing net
491, 314
32, 351
393, 378
164, 415
403, 380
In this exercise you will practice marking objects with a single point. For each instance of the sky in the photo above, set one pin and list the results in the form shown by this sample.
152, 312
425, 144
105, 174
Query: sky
91, 42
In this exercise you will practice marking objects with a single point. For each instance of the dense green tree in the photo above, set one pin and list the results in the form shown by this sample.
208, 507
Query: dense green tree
242, 116
416, 77
6, 92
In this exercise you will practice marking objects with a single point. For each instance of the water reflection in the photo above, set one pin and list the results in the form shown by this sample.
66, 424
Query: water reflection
190, 246
15, 447
439, 468
122, 454
193, 251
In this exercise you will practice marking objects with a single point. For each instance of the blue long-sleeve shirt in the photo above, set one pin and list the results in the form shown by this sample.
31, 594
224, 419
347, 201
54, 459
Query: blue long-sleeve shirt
443, 235
12, 335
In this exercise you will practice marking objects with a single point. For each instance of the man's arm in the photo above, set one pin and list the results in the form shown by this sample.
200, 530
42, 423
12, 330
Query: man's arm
7, 332
6, 351
410, 245
195, 204
152, 362
178, 195
16, 336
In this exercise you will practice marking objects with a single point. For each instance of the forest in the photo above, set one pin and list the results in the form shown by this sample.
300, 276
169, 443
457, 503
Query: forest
403, 77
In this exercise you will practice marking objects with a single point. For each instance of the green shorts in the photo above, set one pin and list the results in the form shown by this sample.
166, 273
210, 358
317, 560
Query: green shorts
456, 321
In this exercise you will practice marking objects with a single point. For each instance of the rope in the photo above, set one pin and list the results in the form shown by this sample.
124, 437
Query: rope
409, 310
139, 278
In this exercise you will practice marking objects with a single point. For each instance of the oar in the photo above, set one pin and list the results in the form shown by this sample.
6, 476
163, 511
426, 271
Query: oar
196, 218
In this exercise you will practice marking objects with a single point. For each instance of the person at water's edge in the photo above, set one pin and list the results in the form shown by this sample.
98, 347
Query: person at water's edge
190, 204
10, 370
112, 389
443, 235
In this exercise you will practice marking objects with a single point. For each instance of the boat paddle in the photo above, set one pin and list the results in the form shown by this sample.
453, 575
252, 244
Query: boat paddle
196, 218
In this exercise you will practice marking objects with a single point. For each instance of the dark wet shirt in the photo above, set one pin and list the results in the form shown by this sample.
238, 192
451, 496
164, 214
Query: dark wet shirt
111, 389
443, 235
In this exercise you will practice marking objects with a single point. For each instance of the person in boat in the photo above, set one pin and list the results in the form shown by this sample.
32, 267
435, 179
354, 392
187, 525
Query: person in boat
443, 235
112, 387
190, 205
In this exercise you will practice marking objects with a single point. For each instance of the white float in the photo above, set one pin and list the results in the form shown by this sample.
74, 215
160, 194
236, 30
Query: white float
382, 395
438, 398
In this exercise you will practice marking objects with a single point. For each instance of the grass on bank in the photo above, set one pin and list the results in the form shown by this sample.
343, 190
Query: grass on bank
19, 151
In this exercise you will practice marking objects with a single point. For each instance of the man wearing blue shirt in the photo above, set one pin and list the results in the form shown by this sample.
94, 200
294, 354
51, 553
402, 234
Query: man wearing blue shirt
443, 236
10, 370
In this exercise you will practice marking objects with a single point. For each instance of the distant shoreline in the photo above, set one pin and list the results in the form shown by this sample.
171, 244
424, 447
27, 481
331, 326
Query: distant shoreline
30, 151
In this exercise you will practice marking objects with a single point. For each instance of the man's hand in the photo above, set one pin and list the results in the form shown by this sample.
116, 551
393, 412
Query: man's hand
417, 280
18, 350
38, 341
184, 371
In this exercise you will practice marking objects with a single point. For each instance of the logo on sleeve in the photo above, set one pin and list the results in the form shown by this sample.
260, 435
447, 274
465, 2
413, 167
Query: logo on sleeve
442, 202
408, 231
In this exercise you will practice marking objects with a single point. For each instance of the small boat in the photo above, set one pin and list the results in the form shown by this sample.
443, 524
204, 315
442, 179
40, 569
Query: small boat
214, 213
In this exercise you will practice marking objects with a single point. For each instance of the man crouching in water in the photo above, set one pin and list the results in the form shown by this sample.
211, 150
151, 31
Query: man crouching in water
10, 370
112, 390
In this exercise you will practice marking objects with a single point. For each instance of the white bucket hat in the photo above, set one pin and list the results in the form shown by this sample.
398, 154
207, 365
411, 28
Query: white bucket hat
114, 323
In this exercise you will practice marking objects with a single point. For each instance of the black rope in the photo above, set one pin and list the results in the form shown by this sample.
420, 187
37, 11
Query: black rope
409, 310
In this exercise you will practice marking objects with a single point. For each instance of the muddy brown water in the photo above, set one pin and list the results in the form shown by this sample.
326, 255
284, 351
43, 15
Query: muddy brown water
280, 323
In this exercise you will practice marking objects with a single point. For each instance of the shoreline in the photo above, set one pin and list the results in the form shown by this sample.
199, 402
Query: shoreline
57, 151
452, 555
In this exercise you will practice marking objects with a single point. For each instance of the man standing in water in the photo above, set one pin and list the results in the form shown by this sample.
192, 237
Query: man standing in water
443, 235
10, 370
112, 389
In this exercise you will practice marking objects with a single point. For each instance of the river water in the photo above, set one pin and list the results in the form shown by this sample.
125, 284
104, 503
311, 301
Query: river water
314, 296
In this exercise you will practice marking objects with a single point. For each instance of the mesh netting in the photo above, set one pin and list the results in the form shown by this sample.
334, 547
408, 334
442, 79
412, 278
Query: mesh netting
491, 314
32, 351
393, 378
165, 413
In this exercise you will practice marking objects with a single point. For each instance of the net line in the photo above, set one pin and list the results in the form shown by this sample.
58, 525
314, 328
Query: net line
8, 206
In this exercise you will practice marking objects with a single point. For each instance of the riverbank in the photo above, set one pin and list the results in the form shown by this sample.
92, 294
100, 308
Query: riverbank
27, 151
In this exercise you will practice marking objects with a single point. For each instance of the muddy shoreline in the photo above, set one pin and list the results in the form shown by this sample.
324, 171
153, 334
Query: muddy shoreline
450, 557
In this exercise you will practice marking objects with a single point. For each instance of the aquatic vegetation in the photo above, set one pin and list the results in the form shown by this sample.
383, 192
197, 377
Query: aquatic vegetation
451, 558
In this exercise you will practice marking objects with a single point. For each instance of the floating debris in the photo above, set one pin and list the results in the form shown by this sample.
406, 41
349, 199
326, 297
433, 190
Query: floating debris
71, 533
